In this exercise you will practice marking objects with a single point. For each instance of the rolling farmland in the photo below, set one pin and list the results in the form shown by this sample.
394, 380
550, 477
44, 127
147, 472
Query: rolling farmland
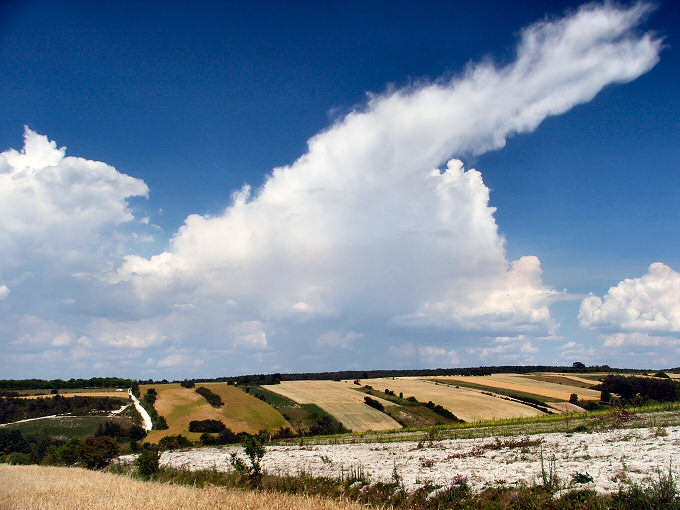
338, 399
466, 404
532, 384
241, 412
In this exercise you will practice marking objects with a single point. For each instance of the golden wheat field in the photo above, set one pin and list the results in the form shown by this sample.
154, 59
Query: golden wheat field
339, 400
241, 412
55, 488
530, 384
466, 404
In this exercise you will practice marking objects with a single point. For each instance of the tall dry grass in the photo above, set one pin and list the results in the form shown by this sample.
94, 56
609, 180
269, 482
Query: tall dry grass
53, 488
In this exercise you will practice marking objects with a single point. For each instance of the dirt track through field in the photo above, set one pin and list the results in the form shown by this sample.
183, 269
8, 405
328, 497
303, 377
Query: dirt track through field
337, 399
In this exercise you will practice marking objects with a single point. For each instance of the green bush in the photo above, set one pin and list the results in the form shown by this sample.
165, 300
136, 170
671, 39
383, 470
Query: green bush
148, 462
98, 452
374, 404
206, 426
174, 442
213, 398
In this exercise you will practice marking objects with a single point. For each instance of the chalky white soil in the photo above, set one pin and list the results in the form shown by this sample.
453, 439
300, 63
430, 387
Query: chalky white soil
611, 458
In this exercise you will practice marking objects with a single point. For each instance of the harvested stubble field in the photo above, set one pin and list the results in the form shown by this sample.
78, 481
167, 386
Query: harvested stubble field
241, 412
52, 488
565, 379
341, 401
526, 384
466, 404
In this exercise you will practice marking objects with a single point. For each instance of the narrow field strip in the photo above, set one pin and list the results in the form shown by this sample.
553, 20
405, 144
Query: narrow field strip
53, 488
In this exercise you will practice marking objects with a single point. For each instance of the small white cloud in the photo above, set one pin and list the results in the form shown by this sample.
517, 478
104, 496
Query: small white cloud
338, 339
141, 334
4, 291
405, 351
429, 354
249, 335
175, 360
640, 339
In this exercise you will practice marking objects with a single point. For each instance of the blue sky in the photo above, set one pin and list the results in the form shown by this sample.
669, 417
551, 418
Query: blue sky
272, 192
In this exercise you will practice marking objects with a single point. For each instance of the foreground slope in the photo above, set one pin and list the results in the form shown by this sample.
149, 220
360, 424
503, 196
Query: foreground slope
52, 488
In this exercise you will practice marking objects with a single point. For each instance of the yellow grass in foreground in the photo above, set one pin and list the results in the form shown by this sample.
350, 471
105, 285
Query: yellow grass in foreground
241, 412
336, 398
468, 405
52, 488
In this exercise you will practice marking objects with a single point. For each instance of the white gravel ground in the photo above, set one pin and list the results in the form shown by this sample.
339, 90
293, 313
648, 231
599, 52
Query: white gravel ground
611, 458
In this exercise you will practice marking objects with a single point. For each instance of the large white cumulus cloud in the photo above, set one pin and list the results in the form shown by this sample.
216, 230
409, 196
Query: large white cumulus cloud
377, 234
649, 304
58, 208
639, 317
366, 225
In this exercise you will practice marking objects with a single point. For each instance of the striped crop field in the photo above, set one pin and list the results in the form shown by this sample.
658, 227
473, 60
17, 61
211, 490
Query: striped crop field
468, 405
533, 384
340, 400
241, 412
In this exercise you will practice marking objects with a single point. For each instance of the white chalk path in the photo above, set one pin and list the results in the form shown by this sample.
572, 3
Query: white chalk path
145, 416
30, 419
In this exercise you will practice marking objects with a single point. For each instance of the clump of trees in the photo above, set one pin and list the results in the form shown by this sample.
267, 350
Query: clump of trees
15, 409
639, 390
187, 384
441, 411
148, 402
374, 404
206, 426
90, 452
213, 398
59, 384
